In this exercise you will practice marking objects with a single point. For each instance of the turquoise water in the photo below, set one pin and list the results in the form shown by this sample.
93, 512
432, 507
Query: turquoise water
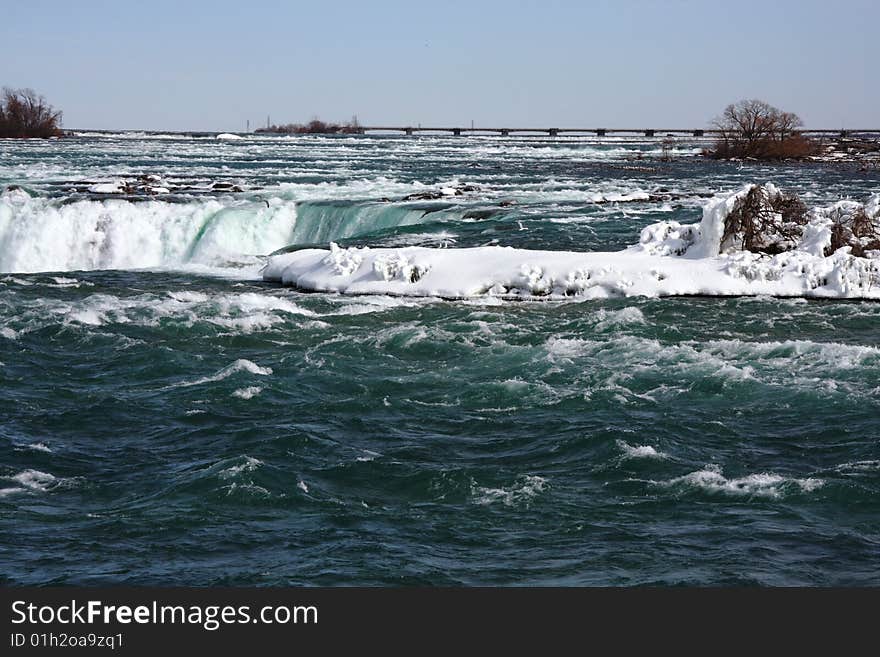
169, 418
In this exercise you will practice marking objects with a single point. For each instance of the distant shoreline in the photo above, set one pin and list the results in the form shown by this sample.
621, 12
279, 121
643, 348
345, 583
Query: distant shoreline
838, 147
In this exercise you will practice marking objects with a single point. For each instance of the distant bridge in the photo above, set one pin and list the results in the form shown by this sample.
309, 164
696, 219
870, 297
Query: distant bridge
602, 132
552, 132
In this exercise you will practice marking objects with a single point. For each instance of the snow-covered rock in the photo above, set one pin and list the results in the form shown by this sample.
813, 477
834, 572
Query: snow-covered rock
793, 258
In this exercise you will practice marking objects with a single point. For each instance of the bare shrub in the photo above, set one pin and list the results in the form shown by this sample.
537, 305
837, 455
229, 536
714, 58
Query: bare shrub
855, 230
765, 220
764, 223
24, 113
315, 127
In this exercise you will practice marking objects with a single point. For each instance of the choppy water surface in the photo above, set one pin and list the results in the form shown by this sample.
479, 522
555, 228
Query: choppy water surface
169, 418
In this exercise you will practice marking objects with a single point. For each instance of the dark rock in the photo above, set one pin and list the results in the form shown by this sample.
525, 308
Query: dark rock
423, 196
435, 194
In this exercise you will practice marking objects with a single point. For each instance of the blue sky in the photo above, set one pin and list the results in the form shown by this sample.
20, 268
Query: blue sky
212, 66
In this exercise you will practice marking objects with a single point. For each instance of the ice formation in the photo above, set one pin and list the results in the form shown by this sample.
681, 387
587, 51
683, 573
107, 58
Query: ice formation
755, 241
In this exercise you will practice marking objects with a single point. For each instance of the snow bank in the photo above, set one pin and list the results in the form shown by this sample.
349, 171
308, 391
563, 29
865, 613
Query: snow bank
670, 259
229, 136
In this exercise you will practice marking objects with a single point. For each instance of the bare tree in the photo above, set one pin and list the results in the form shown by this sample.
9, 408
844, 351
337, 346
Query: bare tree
754, 128
24, 113
787, 124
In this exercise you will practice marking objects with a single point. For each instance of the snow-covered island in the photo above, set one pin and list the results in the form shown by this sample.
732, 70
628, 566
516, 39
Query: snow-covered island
755, 241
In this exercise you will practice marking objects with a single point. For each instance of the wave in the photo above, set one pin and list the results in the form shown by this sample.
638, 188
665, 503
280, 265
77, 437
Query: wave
639, 451
241, 476
817, 370
227, 313
241, 365
521, 492
322, 222
767, 485
247, 393
30, 481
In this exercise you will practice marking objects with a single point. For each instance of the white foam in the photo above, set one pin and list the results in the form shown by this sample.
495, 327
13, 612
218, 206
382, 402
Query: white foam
30, 481
16, 281
640, 451
368, 454
34, 479
61, 281
132, 134
247, 393
40, 447
522, 492
373, 304
247, 464
88, 316
188, 296
240, 312
731, 360
249, 488
769, 485
40, 235
616, 318
857, 467
241, 365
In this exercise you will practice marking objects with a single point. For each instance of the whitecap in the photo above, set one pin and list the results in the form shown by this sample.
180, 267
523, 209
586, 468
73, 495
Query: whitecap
640, 451
247, 464
30, 481
247, 393
188, 296
858, 467
522, 492
617, 318
89, 317
63, 282
711, 479
248, 488
241, 365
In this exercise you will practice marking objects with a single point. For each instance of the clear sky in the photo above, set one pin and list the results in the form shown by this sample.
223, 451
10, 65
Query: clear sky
181, 65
